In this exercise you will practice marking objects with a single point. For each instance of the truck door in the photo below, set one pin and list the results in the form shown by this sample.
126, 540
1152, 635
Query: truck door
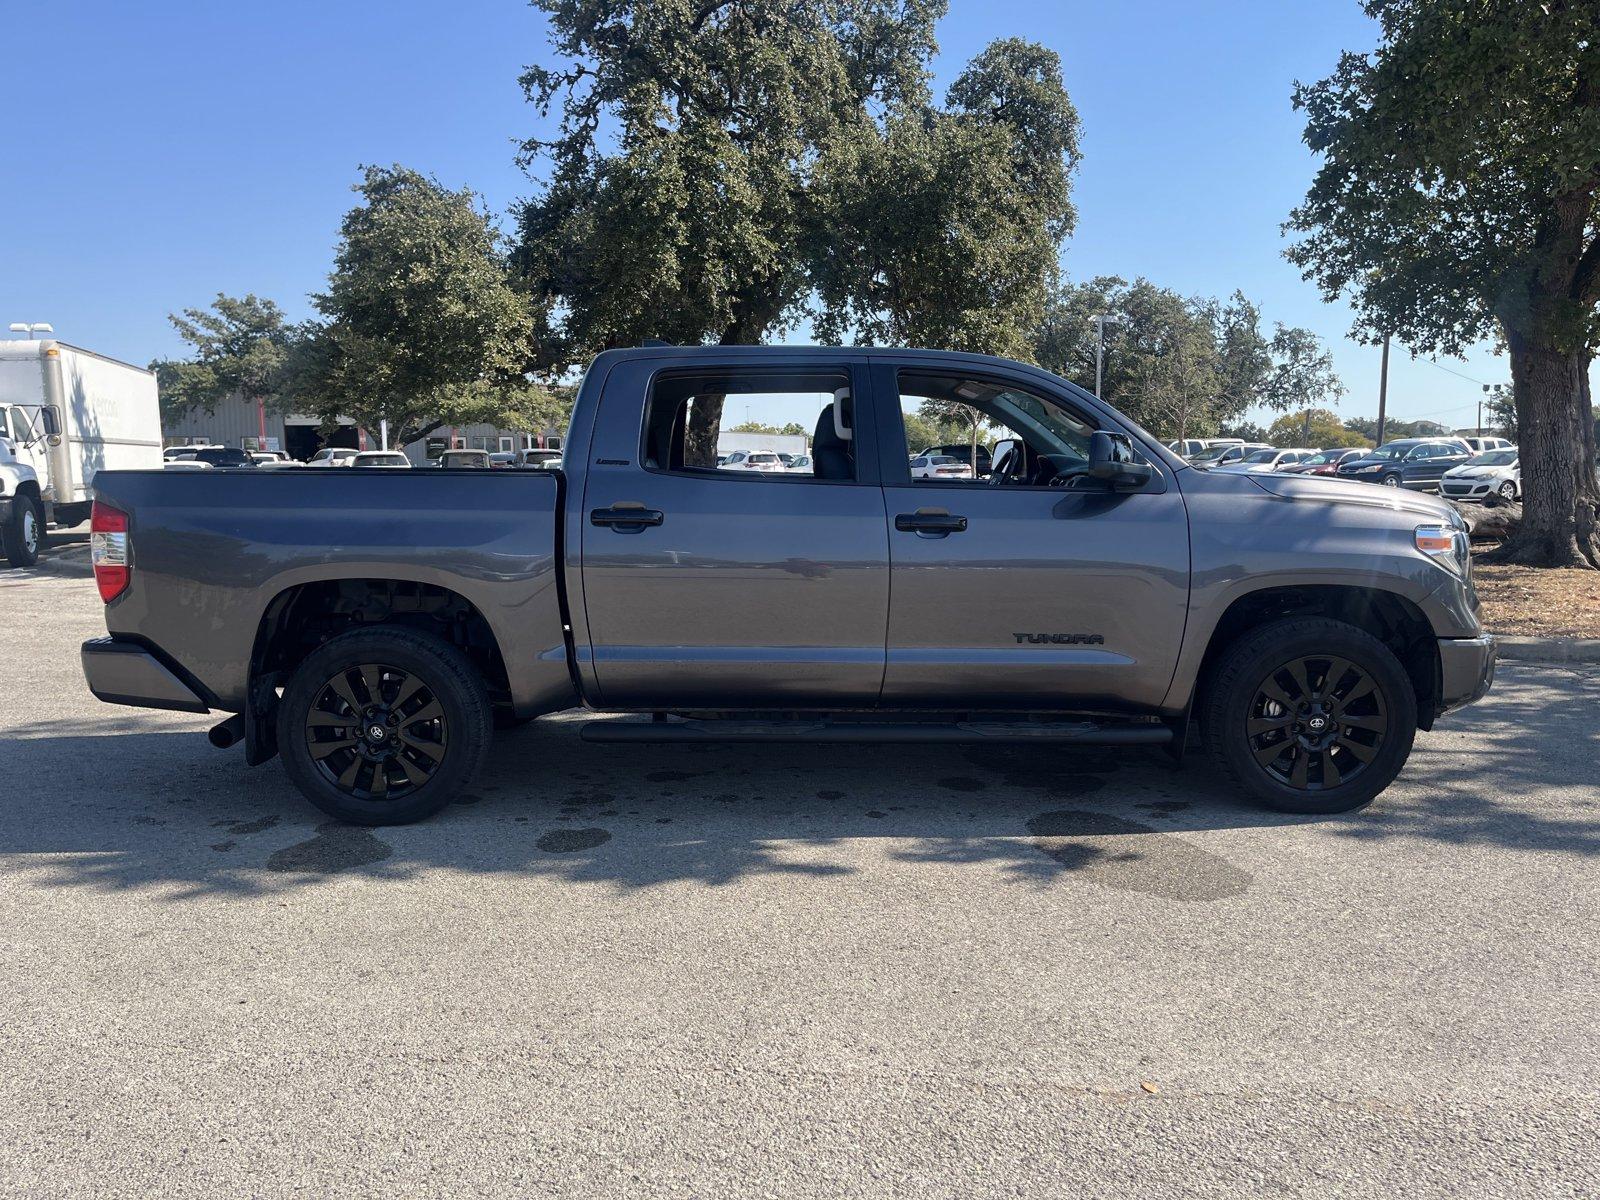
738, 587
1027, 587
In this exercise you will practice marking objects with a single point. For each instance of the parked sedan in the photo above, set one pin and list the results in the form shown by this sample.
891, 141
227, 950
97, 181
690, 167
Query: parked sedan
1264, 462
1415, 463
1224, 456
1497, 471
472, 459
939, 466
1326, 463
379, 458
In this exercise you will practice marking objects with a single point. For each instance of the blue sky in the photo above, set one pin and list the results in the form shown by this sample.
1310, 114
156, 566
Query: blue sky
159, 153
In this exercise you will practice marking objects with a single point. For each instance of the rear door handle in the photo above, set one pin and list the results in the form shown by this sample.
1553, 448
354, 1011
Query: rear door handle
934, 521
626, 517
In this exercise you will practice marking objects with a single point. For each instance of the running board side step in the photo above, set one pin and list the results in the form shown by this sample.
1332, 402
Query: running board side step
1079, 733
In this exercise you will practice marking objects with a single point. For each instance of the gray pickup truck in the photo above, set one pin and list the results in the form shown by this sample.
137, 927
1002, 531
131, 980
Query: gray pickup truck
1087, 587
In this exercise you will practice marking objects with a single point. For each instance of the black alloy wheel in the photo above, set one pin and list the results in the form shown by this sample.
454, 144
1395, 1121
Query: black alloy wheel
376, 732
1316, 722
383, 725
1309, 714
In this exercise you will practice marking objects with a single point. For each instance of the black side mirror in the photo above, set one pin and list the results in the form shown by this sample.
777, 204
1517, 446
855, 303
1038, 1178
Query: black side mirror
51, 415
1111, 461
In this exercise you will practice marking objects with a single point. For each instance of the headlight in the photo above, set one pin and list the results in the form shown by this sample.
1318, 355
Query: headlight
1446, 545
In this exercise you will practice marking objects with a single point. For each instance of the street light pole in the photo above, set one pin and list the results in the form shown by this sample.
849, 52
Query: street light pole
1100, 323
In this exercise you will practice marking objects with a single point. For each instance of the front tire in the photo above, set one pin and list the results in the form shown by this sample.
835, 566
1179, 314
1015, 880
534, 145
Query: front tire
1508, 490
24, 532
1391, 481
384, 726
1310, 715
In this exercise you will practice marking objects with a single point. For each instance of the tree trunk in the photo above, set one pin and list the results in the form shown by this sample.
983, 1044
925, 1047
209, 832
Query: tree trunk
705, 419
1556, 447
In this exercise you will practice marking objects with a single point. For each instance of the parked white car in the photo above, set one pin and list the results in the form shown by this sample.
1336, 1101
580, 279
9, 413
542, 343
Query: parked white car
1482, 445
379, 458
939, 466
1264, 462
1497, 471
331, 456
799, 464
753, 460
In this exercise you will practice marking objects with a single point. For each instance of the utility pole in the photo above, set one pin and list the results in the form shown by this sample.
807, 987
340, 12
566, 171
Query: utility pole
1383, 389
1480, 410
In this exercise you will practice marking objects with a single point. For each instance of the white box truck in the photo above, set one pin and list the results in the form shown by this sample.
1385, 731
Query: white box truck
65, 413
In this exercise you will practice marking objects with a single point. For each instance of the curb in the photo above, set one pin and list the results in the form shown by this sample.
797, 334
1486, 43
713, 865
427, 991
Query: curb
1549, 650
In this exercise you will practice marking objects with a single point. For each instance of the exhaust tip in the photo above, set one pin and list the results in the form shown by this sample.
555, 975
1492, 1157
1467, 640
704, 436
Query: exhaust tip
228, 733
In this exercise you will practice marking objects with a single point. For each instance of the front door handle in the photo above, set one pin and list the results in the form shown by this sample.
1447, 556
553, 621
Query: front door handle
625, 516
935, 521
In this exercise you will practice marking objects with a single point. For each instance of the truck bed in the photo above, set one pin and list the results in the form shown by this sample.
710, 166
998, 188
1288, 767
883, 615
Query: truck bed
212, 550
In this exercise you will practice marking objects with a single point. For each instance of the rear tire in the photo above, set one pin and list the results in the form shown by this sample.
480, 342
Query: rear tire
1333, 702
384, 726
23, 534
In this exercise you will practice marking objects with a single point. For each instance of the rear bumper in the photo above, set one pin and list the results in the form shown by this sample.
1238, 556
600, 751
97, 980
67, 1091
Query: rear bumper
1466, 670
122, 672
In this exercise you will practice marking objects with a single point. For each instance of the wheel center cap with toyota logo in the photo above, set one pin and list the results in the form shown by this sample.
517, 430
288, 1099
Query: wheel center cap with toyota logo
1317, 724
377, 733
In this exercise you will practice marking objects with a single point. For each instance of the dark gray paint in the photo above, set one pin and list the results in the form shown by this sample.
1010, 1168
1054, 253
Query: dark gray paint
762, 593
210, 550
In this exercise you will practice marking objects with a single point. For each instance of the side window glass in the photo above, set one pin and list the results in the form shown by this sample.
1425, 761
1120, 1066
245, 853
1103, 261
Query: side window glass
752, 425
965, 430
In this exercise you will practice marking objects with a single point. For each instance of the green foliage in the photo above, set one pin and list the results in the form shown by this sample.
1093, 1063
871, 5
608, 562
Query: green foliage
1500, 408
1393, 429
1301, 374
792, 429
240, 348
1315, 427
1458, 200
721, 167
1182, 367
1247, 431
422, 325
965, 255
1459, 167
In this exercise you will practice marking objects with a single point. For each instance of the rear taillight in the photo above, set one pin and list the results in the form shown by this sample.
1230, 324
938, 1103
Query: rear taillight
108, 550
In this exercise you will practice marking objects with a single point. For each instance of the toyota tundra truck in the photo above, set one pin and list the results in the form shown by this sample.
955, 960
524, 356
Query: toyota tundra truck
373, 628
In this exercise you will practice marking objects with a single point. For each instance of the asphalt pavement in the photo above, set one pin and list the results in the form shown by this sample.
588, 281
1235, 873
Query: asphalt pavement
790, 971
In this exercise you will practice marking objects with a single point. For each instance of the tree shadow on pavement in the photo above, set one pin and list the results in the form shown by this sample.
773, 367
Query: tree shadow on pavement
145, 803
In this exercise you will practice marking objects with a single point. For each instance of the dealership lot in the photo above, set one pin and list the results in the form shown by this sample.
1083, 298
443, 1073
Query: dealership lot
795, 971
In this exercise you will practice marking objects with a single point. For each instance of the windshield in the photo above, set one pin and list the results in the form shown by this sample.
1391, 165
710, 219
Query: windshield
1262, 456
1494, 458
1392, 451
